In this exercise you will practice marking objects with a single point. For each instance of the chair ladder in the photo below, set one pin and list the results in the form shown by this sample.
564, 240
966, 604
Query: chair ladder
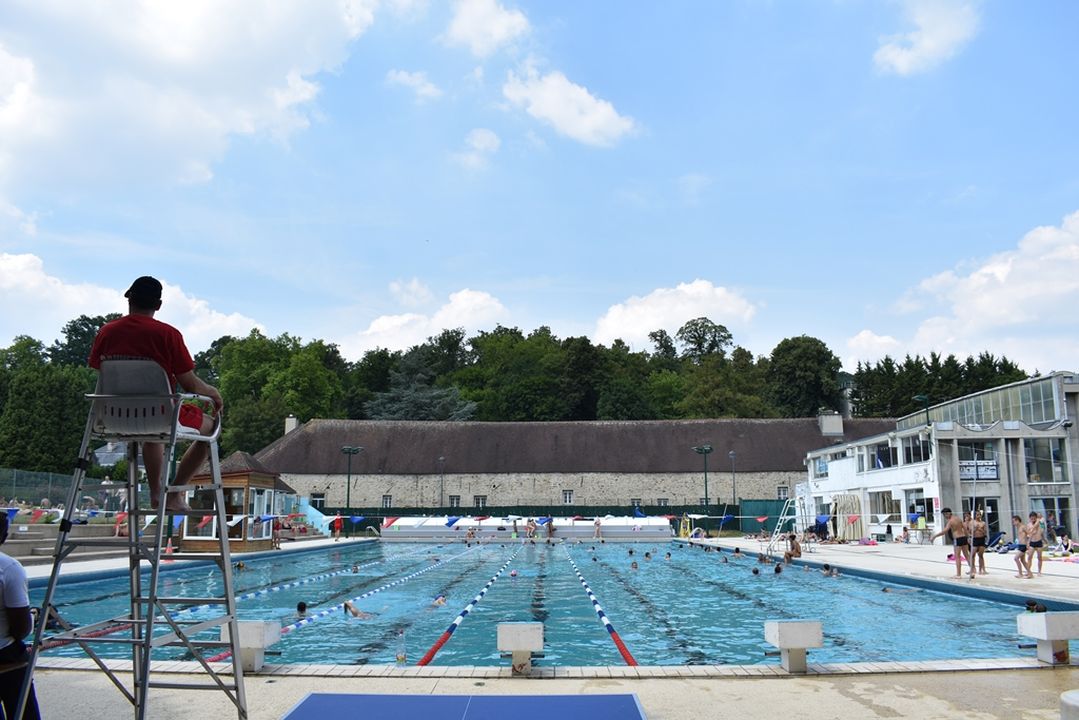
153, 621
787, 513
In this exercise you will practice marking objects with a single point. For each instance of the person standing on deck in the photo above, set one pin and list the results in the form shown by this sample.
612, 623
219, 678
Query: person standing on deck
960, 540
1036, 541
979, 532
1022, 562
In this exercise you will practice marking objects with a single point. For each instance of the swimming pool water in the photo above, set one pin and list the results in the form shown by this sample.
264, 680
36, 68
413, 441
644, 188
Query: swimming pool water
691, 609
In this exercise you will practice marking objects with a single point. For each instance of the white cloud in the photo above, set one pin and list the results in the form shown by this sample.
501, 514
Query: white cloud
867, 346
669, 309
567, 107
45, 303
417, 81
484, 26
474, 310
1017, 303
412, 293
480, 145
155, 91
942, 29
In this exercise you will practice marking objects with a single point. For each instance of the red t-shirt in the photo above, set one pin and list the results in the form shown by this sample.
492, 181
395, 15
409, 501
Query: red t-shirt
140, 336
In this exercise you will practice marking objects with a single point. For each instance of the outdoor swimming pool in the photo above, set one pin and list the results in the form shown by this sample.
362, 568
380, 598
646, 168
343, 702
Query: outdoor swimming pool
692, 609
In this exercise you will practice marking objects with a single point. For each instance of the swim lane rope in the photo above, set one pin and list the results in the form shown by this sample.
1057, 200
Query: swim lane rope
602, 615
331, 610
427, 658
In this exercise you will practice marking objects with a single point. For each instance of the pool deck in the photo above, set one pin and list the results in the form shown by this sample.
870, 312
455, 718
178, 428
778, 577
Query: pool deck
1006, 688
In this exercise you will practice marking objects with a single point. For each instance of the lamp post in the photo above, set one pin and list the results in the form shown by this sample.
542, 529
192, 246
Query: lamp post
349, 450
704, 451
442, 481
734, 483
924, 400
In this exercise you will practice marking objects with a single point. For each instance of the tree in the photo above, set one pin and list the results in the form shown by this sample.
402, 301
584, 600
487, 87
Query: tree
802, 377
42, 421
78, 339
412, 396
702, 337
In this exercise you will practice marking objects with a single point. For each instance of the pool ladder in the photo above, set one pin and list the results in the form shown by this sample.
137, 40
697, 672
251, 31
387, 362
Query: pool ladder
134, 403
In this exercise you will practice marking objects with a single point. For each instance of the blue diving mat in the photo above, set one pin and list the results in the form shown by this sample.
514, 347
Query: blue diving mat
319, 706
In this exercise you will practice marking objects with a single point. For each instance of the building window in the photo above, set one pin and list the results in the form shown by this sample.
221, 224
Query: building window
662, 502
387, 501
700, 501
318, 500
915, 450
783, 492
479, 501
885, 508
634, 502
567, 497
455, 501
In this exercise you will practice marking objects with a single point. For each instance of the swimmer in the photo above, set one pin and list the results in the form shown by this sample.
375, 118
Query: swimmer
725, 561
648, 556
355, 568
756, 571
778, 569
633, 565
439, 600
356, 612
301, 609
513, 573
241, 566
595, 559
899, 590
631, 551
738, 552
667, 556
826, 569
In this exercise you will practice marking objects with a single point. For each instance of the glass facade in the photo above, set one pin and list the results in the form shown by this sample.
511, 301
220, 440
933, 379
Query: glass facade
1034, 402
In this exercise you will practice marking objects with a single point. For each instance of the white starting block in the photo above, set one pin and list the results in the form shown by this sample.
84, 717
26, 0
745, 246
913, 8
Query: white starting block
1052, 630
255, 637
523, 640
792, 637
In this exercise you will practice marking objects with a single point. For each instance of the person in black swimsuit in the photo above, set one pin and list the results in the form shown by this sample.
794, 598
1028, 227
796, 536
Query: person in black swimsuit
960, 539
978, 537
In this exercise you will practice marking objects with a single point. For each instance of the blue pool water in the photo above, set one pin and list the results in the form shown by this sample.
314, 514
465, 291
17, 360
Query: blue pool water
693, 609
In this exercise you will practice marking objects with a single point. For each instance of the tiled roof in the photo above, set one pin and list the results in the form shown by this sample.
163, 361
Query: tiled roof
404, 448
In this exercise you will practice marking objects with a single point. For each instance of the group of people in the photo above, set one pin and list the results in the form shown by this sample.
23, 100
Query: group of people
969, 538
1030, 542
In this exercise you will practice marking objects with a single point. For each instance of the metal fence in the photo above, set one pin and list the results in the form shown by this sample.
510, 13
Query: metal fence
33, 487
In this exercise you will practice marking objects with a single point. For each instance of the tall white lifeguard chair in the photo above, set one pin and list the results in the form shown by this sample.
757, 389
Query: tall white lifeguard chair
134, 403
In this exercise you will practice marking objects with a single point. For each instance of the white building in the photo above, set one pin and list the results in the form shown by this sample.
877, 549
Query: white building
1007, 451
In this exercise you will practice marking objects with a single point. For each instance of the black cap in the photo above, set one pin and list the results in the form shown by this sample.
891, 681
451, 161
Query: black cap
146, 289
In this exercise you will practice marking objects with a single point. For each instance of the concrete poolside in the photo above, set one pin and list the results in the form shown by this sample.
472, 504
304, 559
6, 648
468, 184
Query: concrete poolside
1010, 688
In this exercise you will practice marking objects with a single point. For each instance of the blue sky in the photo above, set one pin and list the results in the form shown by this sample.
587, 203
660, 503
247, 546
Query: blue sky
891, 177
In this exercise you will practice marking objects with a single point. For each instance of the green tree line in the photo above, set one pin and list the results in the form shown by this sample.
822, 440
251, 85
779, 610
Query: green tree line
502, 374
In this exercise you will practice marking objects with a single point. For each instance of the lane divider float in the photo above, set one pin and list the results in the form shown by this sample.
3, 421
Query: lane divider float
430, 655
626, 655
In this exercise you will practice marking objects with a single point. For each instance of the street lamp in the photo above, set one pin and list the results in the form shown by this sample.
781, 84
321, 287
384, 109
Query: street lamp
349, 450
704, 451
924, 400
734, 484
441, 481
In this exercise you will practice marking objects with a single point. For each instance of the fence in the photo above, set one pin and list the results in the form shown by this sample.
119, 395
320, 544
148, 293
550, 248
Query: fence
33, 487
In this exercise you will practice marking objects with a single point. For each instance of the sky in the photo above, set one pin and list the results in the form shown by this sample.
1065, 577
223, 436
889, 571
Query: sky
891, 177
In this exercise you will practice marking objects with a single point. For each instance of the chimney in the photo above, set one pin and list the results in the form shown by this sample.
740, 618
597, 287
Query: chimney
831, 424
291, 423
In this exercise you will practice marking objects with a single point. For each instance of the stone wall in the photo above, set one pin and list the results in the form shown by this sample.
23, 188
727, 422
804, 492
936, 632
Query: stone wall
542, 489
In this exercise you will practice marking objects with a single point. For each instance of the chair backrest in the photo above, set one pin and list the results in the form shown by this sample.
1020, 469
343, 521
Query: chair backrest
139, 400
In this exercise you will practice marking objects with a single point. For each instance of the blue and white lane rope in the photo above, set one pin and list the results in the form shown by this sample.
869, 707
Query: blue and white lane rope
626, 655
331, 610
448, 633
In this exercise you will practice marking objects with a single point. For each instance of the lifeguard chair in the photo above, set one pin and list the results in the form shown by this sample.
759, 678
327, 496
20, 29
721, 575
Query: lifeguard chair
134, 403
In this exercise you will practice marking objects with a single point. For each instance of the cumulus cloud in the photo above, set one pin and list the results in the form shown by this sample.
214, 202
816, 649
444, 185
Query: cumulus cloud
867, 346
567, 107
160, 91
669, 309
484, 26
941, 31
411, 293
480, 145
416, 81
45, 303
474, 310
1016, 303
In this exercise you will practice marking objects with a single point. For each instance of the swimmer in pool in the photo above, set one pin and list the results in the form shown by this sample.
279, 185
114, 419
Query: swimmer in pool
439, 600
355, 611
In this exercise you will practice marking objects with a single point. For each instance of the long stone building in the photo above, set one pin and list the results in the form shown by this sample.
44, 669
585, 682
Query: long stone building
417, 465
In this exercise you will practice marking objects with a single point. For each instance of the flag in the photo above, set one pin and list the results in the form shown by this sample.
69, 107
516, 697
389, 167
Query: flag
204, 522
450, 521
637, 512
177, 520
357, 519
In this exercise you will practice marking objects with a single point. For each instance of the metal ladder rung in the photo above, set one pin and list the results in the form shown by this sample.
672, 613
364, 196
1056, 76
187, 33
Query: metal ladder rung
188, 600
190, 686
193, 629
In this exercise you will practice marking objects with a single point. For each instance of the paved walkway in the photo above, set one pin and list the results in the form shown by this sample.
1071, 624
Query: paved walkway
1006, 689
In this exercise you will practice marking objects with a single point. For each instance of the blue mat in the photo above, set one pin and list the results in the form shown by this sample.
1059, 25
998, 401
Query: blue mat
320, 706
